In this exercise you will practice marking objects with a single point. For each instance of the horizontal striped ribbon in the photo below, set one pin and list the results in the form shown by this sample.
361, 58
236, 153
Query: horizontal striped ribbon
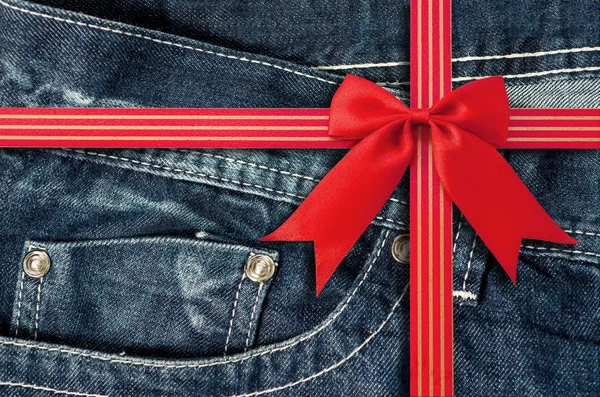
250, 128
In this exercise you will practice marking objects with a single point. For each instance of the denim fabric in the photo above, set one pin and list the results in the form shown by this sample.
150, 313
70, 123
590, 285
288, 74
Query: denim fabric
147, 293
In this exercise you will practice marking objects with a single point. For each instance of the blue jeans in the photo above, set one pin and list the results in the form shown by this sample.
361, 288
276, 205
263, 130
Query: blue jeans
148, 290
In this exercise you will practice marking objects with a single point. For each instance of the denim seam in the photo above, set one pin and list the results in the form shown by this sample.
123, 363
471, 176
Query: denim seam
583, 232
237, 296
532, 74
336, 365
300, 339
460, 219
257, 393
20, 302
169, 43
138, 240
506, 76
264, 167
393, 83
398, 201
561, 250
462, 294
362, 65
254, 165
561, 79
526, 54
465, 295
252, 316
179, 170
391, 221
461, 59
227, 180
244, 59
49, 389
469, 263
37, 308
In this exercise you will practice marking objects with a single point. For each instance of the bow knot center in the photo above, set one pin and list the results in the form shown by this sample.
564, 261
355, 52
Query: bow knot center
419, 116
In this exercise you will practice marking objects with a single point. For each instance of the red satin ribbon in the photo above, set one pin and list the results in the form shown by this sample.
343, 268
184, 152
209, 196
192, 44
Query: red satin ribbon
467, 126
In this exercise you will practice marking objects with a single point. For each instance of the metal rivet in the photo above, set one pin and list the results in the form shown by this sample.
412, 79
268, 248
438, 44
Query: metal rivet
259, 268
401, 249
36, 264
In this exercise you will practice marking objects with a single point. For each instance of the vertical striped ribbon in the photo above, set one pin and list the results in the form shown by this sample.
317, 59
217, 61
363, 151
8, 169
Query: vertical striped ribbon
431, 322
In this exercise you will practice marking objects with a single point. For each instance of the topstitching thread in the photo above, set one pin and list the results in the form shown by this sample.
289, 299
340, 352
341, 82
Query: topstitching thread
165, 42
304, 338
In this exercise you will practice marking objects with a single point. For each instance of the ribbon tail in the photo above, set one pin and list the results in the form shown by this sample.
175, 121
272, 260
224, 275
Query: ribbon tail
344, 203
491, 196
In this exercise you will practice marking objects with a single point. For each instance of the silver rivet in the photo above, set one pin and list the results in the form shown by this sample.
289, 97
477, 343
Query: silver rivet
259, 268
401, 249
36, 264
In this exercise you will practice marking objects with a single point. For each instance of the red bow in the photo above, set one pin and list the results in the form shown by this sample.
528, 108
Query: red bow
467, 126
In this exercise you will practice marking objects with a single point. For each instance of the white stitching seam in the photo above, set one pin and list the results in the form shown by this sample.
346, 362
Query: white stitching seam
334, 316
169, 43
461, 294
37, 308
582, 232
469, 264
460, 219
180, 46
262, 167
244, 59
561, 250
393, 83
237, 296
189, 48
391, 221
461, 59
336, 365
178, 170
506, 76
20, 299
469, 295
279, 388
362, 65
398, 201
532, 74
252, 316
526, 54
464, 295
49, 389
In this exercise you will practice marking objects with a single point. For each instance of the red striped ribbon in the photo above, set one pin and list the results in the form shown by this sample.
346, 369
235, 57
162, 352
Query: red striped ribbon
250, 128
174, 128
554, 129
431, 317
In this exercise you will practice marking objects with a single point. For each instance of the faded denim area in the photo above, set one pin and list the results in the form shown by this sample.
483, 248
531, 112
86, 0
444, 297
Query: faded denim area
147, 293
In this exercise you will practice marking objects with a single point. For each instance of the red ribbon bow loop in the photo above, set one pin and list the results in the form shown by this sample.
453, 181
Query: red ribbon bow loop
467, 126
